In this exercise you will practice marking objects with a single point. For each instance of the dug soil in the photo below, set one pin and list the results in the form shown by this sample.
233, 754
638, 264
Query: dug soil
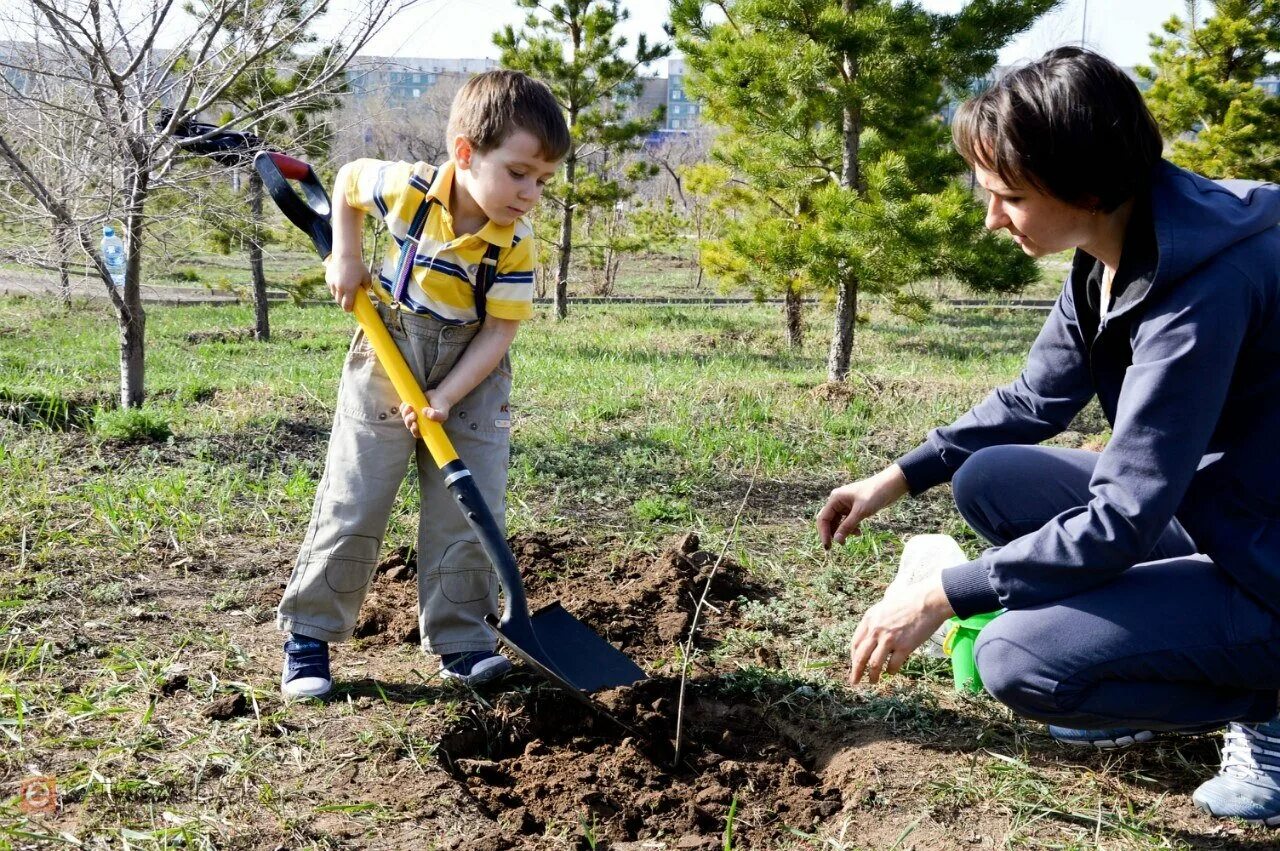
534, 757
763, 760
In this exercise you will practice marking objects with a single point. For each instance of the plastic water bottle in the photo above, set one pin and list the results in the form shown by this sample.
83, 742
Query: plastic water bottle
113, 255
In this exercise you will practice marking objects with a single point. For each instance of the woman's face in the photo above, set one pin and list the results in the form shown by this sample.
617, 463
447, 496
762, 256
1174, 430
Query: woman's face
1039, 223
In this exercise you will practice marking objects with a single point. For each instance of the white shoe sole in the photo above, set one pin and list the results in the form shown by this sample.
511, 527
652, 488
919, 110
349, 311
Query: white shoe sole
305, 687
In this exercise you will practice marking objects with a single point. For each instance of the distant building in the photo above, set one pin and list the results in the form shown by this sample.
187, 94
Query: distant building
407, 78
653, 95
683, 113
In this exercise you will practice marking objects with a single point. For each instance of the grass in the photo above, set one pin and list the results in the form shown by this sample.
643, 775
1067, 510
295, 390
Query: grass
139, 551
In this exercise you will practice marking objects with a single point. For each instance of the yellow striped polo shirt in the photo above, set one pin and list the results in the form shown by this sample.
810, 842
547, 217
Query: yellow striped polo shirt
444, 274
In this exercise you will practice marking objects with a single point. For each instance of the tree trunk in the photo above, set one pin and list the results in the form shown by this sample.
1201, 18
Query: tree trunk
62, 244
262, 321
841, 352
133, 320
792, 309
566, 239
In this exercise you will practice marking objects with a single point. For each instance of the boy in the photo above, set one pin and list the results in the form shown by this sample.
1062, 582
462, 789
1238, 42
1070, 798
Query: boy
507, 136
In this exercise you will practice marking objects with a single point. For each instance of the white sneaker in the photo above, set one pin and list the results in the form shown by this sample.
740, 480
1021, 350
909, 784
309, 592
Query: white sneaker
1248, 784
923, 558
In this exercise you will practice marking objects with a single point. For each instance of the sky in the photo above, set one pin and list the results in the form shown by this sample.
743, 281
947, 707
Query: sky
464, 28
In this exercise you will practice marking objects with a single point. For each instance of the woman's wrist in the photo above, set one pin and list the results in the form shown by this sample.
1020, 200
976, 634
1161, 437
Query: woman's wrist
891, 484
936, 602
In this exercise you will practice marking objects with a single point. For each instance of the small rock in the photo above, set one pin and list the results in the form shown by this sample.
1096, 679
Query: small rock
535, 748
712, 795
686, 543
730, 772
485, 769
696, 840
227, 707
401, 573
766, 657
171, 685
672, 625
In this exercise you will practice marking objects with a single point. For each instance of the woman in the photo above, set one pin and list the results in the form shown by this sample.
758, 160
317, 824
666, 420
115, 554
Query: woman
1142, 583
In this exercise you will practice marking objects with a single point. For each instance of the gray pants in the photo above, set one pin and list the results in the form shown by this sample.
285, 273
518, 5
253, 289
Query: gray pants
369, 451
1173, 642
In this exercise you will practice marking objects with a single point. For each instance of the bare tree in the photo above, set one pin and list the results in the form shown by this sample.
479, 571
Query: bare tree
376, 124
129, 97
673, 157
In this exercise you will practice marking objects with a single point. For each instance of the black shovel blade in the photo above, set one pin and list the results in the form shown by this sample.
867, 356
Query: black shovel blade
570, 653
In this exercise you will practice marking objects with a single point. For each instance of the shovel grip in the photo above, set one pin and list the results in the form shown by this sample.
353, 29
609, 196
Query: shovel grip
433, 434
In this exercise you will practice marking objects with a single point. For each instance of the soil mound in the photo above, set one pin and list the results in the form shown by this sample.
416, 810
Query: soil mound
541, 759
641, 602
535, 761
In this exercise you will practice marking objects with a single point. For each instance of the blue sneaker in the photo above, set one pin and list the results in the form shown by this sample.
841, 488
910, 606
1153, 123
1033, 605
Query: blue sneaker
1248, 784
474, 668
1119, 737
306, 667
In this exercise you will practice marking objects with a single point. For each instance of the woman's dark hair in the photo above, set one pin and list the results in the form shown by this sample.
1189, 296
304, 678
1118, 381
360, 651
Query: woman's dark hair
1071, 124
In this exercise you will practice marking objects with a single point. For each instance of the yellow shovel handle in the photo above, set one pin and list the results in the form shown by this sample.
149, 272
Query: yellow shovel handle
441, 448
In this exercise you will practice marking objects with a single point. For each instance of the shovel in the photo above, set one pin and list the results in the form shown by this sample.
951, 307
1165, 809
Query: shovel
552, 642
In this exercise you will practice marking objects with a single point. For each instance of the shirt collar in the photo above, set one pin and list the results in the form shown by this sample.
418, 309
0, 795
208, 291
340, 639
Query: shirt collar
442, 186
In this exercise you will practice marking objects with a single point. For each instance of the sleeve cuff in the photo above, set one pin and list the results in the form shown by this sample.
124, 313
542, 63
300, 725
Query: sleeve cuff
923, 468
969, 590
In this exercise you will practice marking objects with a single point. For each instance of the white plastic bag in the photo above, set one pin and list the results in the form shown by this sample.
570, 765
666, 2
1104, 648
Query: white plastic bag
923, 557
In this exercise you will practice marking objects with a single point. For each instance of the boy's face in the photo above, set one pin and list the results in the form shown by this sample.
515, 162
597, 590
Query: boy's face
507, 181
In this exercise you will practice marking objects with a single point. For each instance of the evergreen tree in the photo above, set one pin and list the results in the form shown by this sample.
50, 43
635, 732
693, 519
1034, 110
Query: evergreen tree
1204, 83
573, 47
830, 108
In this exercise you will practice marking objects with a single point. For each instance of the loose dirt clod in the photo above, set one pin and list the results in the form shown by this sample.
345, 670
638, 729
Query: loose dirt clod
227, 707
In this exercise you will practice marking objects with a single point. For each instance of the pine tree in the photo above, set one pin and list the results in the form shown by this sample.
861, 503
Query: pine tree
1204, 77
830, 107
573, 47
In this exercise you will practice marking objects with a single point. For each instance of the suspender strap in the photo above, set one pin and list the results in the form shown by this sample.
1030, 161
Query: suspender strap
485, 276
409, 250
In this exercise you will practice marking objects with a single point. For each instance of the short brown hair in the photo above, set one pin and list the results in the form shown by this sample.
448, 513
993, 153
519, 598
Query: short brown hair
1071, 124
494, 104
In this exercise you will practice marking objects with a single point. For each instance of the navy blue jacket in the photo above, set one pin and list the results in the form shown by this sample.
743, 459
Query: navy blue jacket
1186, 368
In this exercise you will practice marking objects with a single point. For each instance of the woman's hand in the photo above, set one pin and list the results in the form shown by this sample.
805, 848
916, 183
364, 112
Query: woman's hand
438, 407
895, 626
850, 504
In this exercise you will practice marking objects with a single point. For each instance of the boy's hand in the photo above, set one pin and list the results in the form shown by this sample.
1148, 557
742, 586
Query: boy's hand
438, 410
345, 275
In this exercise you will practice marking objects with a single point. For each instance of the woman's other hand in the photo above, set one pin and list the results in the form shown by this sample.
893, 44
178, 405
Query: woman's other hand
894, 627
849, 505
